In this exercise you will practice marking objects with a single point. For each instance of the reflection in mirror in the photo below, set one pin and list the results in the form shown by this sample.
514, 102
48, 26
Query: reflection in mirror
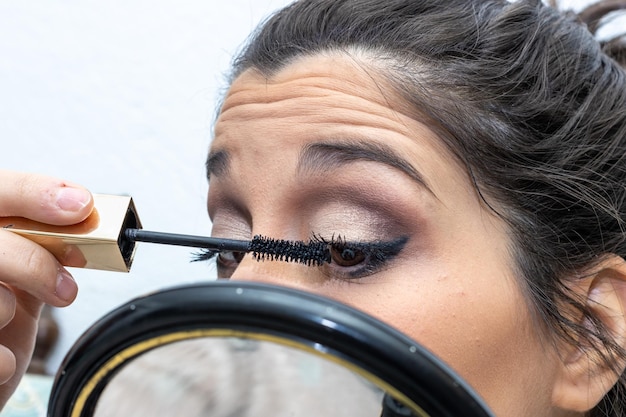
240, 377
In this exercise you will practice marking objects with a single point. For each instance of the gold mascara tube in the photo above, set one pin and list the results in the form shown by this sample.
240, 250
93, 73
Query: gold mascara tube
106, 239
95, 243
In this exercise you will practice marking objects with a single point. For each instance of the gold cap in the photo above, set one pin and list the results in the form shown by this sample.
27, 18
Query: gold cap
96, 243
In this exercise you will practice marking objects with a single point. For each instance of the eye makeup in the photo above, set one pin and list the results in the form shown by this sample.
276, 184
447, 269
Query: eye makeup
355, 196
358, 259
341, 258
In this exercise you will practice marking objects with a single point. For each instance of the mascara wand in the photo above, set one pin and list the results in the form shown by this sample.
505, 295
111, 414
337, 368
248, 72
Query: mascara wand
106, 239
217, 244
312, 253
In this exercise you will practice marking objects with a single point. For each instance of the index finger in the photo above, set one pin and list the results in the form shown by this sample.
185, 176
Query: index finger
42, 198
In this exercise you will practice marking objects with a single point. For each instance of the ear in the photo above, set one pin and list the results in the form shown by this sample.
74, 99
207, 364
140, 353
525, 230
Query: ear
585, 377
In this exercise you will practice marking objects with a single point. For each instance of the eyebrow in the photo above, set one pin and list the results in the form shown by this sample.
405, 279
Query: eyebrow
317, 158
320, 157
218, 163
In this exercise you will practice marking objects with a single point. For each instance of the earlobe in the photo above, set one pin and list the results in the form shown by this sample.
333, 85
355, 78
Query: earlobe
591, 368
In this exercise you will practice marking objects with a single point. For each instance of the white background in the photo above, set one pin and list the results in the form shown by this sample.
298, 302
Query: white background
119, 96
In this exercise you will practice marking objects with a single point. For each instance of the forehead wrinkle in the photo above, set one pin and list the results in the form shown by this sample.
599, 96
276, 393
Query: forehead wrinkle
320, 157
217, 164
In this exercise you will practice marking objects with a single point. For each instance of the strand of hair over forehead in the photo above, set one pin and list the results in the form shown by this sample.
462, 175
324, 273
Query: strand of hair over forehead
325, 24
352, 21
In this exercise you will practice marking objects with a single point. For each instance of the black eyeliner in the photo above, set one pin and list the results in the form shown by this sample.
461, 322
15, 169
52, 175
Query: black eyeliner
377, 253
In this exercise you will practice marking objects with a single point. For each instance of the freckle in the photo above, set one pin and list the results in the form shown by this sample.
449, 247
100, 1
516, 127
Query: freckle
460, 294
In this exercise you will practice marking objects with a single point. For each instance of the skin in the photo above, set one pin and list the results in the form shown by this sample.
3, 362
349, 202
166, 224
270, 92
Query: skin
452, 287
29, 275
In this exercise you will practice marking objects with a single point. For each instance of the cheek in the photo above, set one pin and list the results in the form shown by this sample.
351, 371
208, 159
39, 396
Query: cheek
450, 315
478, 323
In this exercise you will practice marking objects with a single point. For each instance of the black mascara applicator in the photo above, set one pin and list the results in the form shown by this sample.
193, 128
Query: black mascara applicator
262, 248
106, 239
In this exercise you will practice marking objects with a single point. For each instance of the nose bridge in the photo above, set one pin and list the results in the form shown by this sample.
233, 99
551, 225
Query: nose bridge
268, 223
275, 272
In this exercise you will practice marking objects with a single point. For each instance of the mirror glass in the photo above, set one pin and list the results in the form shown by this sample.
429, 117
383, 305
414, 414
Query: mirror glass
232, 376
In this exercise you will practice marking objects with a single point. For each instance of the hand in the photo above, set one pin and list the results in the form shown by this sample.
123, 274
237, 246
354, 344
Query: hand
30, 275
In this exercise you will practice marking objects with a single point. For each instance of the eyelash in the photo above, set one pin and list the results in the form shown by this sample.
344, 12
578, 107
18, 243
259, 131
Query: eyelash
371, 256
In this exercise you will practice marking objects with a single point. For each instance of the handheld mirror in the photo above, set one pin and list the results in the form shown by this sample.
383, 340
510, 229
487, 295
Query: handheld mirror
237, 349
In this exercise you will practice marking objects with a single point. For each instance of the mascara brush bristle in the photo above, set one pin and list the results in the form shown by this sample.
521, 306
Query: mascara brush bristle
311, 253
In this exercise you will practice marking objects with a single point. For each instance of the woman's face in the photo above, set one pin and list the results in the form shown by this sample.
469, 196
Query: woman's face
319, 150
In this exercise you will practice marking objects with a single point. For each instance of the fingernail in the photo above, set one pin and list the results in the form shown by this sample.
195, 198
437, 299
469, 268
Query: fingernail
72, 199
66, 286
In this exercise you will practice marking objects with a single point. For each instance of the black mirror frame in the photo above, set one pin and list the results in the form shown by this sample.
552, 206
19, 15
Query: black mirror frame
406, 370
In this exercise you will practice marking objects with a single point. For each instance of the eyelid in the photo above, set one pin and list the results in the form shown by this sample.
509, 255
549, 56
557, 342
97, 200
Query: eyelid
228, 214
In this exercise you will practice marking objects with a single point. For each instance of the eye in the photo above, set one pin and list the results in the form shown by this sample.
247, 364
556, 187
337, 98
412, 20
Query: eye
225, 261
352, 260
346, 256
347, 260
229, 260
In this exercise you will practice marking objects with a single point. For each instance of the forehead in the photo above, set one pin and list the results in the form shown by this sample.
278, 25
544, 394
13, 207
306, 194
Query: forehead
327, 88
341, 73
321, 97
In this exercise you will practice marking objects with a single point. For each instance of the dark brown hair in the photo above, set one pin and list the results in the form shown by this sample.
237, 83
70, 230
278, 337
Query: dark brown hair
527, 100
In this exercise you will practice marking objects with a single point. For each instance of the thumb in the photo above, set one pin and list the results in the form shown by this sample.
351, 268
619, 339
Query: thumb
44, 199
